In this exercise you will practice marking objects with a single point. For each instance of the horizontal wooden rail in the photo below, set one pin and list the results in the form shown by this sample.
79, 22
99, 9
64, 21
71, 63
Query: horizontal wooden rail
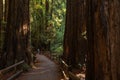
64, 63
16, 74
67, 72
64, 68
12, 66
3, 71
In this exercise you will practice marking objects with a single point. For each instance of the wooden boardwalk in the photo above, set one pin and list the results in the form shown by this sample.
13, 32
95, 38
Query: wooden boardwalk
46, 70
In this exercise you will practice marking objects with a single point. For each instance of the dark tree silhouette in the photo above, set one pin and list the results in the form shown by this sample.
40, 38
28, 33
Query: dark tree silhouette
1, 13
17, 32
1, 19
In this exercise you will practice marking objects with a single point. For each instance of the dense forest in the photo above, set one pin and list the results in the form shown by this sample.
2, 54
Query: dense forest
41, 26
82, 33
47, 24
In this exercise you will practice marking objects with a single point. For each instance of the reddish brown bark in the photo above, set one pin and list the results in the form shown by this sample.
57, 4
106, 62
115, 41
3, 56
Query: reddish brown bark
75, 45
17, 37
104, 42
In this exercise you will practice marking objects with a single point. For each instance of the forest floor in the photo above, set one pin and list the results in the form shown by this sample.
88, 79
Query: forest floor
45, 70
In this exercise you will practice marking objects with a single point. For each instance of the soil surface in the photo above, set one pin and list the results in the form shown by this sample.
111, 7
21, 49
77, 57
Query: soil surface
45, 70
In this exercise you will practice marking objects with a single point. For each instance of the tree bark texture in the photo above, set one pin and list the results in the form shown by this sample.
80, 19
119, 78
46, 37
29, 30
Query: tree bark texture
6, 10
103, 39
1, 17
17, 36
74, 42
1, 13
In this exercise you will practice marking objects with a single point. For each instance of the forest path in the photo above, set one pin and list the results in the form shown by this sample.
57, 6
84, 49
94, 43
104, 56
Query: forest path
46, 70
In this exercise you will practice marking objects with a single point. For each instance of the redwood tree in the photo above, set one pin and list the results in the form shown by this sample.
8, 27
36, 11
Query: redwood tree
1, 17
103, 39
17, 33
6, 10
75, 45
1, 13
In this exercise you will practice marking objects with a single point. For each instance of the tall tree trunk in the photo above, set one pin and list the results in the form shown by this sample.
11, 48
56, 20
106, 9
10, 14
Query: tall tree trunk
6, 6
47, 14
67, 40
1, 12
81, 43
6, 10
10, 31
74, 50
1, 17
26, 30
18, 31
90, 36
104, 41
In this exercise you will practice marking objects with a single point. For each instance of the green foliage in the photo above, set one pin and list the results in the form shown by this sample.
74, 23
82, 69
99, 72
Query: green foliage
48, 26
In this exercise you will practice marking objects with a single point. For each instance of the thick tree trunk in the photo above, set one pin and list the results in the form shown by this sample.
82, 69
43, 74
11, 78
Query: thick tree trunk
104, 41
90, 36
1, 12
18, 31
75, 45
81, 40
6, 6
1, 17
26, 30
68, 34
10, 35
6, 10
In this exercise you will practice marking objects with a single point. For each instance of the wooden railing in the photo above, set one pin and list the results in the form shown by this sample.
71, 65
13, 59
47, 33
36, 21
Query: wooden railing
66, 70
5, 70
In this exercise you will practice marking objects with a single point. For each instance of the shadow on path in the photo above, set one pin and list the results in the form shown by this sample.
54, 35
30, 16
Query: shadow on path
46, 70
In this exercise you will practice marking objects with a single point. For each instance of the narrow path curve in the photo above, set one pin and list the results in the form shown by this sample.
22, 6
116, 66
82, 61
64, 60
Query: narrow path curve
46, 70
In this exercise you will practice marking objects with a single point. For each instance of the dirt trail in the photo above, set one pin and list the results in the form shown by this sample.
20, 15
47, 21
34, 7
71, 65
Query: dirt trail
46, 70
